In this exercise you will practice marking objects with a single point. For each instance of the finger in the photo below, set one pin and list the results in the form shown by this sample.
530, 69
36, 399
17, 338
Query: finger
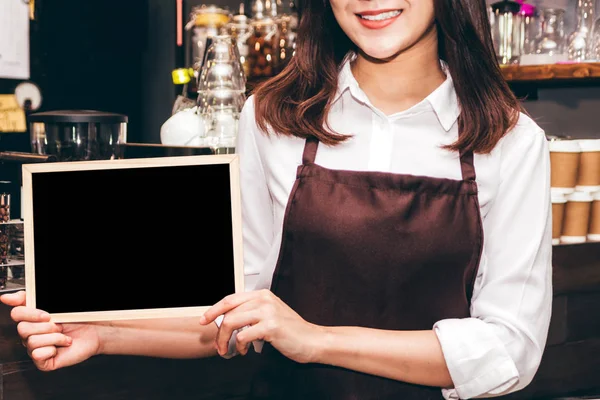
235, 320
245, 338
13, 299
26, 329
227, 304
21, 313
42, 354
49, 339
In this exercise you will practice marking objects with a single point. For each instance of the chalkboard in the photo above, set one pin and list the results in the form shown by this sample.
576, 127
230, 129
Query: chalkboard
130, 239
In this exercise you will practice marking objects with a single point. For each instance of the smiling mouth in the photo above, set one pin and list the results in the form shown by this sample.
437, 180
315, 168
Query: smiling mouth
381, 16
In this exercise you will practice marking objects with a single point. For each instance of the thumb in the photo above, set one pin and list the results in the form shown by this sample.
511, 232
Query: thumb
14, 299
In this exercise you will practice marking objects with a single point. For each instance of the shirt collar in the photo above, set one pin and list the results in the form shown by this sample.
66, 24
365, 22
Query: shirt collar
443, 100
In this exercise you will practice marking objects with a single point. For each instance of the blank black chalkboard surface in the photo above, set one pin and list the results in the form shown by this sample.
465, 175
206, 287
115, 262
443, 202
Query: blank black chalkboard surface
132, 238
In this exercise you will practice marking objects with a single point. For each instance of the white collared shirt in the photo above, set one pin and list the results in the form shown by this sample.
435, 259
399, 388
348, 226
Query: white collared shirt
498, 349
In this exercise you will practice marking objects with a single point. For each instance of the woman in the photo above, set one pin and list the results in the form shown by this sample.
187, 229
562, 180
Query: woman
395, 203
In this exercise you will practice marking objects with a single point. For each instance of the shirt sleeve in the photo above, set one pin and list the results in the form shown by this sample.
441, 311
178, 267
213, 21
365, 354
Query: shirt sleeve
257, 207
499, 348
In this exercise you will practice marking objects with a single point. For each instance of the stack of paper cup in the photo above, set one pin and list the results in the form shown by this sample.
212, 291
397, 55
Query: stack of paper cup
594, 230
577, 218
565, 157
588, 175
558, 212
575, 183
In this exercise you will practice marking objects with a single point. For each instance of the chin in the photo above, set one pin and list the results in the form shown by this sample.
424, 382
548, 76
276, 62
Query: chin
380, 51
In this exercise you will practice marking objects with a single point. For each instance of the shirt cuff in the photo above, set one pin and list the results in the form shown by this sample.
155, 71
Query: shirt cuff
231, 349
476, 358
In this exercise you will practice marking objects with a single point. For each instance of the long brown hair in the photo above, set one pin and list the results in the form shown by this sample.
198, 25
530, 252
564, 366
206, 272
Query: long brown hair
296, 102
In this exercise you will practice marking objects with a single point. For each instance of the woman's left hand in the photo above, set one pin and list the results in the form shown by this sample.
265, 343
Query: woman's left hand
266, 317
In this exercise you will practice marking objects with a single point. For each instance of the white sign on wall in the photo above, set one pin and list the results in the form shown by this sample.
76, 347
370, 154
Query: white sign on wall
14, 39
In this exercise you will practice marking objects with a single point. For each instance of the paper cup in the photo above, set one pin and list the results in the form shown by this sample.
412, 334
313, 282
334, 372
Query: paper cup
565, 156
558, 212
594, 229
577, 218
588, 176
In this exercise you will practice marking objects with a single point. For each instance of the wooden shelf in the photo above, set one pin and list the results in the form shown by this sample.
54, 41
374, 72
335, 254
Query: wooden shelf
552, 72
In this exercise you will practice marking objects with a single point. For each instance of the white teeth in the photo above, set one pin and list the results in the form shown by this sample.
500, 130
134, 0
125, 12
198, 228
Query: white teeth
382, 16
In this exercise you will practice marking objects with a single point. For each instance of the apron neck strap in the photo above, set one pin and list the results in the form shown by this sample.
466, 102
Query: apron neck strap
466, 166
310, 150
466, 159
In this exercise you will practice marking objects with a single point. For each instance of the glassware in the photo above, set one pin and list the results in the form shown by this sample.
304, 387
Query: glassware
222, 68
578, 43
241, 30
4, 232
594, 44
221, 94
17, 242
529, 29
506, 28
205, 22
74, 135
552, 39
286, 39
16, 251
4, 202
221, 111
258, 9
263, 49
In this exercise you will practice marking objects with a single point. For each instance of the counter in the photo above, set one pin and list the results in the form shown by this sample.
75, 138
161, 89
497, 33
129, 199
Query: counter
570, 366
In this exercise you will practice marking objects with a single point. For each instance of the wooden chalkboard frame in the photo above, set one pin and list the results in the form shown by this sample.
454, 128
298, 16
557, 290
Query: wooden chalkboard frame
28, 214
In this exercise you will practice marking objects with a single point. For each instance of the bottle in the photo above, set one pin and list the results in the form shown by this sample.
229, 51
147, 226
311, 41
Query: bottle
579, 40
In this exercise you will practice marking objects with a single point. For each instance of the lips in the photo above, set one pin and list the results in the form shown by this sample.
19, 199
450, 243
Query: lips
378, 19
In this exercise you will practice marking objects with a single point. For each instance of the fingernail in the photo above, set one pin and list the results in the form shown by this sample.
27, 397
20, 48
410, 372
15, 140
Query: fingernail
69, 340
44, 315
203, 319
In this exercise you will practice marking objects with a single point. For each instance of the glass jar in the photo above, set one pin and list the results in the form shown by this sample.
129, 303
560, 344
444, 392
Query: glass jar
552, 38
286, 39
263, 49
206, 21
506, 29
579, 40
4, 233
240, 29
17, 242
78, 135
529, 29
594, 45
4, 201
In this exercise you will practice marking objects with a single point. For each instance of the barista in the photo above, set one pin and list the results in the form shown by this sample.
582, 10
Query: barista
396, 209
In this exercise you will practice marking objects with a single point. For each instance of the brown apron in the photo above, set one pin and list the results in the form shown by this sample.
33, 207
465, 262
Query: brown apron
376, 250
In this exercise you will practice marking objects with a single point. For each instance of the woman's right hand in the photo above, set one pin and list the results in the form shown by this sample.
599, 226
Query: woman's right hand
51, 346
